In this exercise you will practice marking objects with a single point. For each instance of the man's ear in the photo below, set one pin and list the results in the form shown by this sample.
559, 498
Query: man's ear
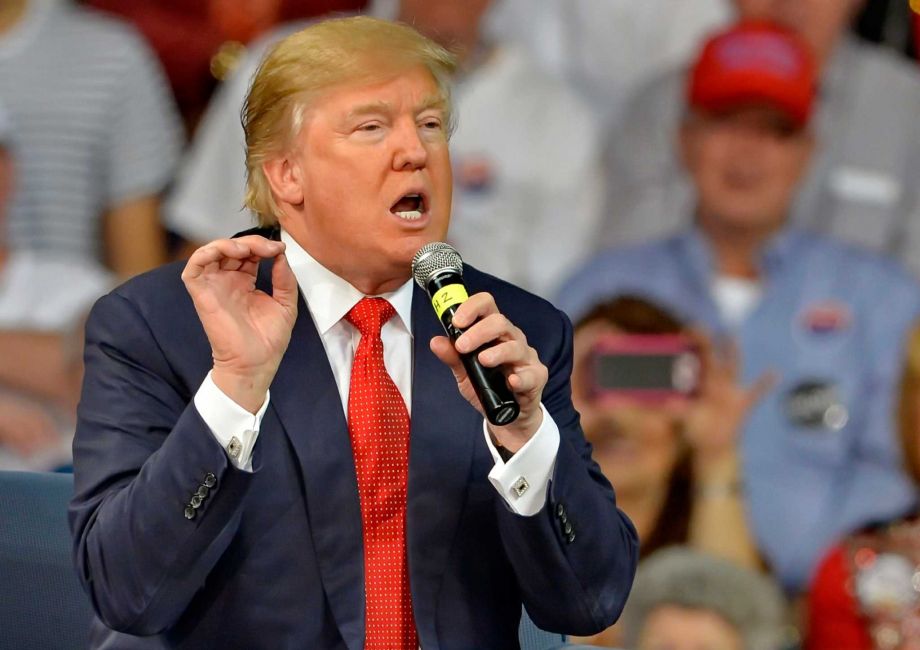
285, 178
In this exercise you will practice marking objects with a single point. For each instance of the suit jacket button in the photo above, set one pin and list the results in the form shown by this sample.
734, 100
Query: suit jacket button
571, 537
202, 491
560, 510
567, 529
195, 501
190, 512
210, 480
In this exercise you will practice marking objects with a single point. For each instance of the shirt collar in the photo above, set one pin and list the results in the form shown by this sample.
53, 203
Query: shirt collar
330, 297
775, 253
781, 248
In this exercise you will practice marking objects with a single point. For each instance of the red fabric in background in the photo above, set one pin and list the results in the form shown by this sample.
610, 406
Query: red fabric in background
834, 622
184, 38
917, 35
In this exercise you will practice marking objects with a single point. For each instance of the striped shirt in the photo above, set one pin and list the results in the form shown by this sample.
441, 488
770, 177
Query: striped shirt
94, 125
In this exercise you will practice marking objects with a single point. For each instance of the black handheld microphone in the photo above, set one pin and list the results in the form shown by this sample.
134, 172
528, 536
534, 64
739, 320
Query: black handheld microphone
438, 269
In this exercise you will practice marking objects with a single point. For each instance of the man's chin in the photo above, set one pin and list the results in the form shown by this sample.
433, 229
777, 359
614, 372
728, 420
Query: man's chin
743, 219
408, 246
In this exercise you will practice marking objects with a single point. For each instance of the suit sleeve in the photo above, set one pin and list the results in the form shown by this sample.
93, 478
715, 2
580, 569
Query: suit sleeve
143, 545
576, 559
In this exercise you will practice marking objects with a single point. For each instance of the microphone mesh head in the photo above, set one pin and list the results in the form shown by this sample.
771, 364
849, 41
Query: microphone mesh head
434, 258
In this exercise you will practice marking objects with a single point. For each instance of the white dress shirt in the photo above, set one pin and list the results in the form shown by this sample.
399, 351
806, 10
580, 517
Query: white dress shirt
522, 481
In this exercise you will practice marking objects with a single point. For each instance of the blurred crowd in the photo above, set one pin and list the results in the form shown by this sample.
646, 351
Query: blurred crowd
722, 195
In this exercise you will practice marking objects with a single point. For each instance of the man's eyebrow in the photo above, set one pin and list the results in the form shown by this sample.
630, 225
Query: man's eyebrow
372, 108
431, 101
369, 109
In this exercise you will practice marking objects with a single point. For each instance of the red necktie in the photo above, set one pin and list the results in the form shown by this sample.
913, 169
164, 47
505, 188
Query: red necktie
379, 426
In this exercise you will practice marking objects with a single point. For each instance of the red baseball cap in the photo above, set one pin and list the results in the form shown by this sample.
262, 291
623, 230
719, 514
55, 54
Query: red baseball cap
755, 62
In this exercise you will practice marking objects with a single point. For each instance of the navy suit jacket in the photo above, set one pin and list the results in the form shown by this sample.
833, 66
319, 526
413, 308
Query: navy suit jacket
273, 558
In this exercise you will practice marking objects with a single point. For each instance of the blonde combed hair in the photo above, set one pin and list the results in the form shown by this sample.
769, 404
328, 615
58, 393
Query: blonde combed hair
304, 65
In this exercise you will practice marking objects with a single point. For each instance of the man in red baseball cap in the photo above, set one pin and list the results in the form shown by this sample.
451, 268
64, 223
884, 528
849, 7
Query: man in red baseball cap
745, 140
864, 168
828, 319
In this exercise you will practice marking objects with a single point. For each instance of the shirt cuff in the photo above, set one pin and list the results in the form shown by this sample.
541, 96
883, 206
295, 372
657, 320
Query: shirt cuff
234, 428
523, 480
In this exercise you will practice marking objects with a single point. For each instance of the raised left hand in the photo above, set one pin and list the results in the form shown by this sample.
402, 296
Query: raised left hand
713, 421
508, 348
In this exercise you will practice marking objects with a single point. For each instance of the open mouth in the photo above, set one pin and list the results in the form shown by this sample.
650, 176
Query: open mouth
410, 207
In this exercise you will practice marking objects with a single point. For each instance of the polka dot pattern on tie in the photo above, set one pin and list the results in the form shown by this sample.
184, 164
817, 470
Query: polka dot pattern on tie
378, 423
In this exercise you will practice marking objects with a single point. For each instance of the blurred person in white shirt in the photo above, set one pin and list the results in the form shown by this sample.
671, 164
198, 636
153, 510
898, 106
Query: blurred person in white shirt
43, 300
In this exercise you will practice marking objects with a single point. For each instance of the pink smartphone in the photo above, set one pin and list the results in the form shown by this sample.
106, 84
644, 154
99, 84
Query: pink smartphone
652, 368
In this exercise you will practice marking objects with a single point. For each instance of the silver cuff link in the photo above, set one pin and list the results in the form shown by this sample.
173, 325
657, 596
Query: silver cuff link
235, 448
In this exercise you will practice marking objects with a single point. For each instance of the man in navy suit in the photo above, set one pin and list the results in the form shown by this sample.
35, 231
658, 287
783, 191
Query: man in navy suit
217, 499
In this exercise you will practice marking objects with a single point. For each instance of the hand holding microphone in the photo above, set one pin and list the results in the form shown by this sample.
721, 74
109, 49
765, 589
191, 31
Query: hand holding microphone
496, 370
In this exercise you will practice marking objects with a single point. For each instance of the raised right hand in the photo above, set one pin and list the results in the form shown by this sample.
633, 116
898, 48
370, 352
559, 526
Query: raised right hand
248, 329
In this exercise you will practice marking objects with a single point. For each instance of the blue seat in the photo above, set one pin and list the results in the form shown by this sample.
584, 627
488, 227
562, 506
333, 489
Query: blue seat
42, 605
533, 638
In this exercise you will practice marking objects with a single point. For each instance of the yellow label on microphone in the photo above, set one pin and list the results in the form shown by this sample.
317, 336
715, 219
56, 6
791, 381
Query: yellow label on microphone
452, 294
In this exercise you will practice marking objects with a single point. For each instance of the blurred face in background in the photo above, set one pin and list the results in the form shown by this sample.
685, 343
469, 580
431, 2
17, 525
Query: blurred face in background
745, 165
637, 445
677, 628
453, 25
819, 22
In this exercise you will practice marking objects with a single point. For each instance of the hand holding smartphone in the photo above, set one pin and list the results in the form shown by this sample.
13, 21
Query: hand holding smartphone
647, 368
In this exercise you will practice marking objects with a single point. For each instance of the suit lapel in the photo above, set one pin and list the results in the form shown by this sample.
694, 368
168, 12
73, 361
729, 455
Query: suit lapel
443, 433
306, 399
